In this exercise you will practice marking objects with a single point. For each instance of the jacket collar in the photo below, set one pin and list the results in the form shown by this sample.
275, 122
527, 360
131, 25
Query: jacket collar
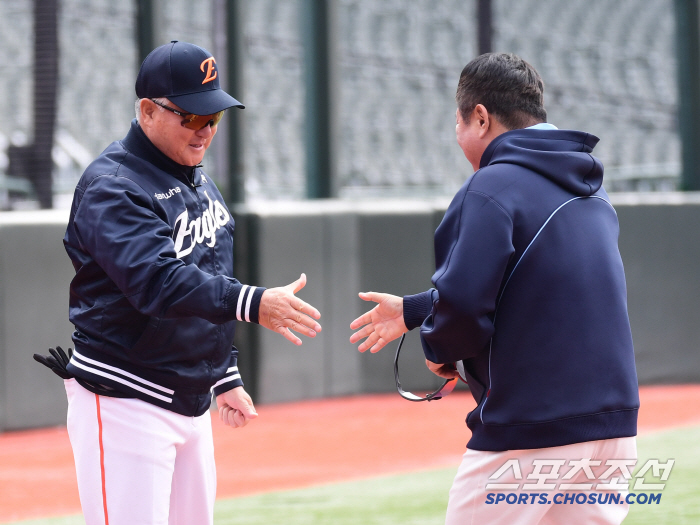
139, 144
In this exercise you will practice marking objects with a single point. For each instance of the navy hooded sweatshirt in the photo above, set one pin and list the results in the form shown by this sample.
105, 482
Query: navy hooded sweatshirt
530, 295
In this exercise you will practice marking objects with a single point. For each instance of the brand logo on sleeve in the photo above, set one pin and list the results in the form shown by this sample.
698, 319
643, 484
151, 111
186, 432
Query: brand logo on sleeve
188, 234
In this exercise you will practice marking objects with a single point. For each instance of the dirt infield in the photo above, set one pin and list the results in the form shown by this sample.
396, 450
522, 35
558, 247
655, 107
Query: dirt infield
294, 445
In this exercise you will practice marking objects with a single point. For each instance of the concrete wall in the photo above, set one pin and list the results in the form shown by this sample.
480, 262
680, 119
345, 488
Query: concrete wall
660, 247
343, 248
34, 277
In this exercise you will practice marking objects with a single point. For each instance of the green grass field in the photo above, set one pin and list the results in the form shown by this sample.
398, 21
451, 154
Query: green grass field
680, 502
420, 498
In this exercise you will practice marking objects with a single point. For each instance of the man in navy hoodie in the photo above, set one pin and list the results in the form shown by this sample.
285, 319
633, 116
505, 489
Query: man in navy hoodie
529, 306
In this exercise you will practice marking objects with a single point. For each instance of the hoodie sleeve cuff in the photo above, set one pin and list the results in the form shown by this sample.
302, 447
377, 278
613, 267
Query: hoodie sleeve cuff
231, 380
416, 308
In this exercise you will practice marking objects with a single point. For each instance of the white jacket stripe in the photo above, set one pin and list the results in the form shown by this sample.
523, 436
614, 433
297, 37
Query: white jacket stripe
77, 356
240, 302
226, 380
247, 304
122, 381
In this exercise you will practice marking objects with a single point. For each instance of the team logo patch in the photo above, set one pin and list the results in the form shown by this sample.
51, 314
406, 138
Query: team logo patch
209, 63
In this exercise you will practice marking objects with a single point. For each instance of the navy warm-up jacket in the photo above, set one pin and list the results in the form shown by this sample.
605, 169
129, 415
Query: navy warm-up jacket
154, 301
530, 295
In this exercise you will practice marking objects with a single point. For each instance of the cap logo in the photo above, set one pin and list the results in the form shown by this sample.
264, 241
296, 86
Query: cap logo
209, 62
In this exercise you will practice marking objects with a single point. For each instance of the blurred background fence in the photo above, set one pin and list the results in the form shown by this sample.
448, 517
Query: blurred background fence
344, 98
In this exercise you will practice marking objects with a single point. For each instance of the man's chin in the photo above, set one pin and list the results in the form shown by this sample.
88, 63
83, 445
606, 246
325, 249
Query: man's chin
193, 160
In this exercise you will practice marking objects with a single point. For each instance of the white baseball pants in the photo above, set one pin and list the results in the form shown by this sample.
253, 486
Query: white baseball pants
521, 501
138, 464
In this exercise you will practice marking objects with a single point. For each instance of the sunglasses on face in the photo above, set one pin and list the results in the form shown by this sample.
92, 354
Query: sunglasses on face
191, 121
447, 387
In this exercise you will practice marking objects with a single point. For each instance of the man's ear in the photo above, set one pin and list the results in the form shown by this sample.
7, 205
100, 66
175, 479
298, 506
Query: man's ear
147, 108
483, 119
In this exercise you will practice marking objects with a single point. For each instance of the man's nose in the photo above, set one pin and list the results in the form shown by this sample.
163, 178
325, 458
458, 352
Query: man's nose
206, 131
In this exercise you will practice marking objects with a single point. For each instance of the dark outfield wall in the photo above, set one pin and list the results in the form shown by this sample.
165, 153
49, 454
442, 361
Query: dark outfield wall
343, 248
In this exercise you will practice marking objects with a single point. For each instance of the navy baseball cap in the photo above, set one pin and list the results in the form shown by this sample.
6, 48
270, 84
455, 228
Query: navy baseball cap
185, 74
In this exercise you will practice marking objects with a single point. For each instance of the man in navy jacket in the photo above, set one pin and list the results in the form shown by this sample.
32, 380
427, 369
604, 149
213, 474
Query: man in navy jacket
528, 305
155, 304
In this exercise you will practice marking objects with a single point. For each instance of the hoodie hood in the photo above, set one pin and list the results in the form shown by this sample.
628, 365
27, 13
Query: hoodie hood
563, 156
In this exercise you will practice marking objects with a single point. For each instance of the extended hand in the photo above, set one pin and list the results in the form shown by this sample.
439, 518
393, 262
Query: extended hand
281, 311
381, 324
236, 407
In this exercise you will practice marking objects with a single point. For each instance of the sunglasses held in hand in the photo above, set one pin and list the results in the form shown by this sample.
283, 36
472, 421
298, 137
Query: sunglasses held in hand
447, 387
191, 121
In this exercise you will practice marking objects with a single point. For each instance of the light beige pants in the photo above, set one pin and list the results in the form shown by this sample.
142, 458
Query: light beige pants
545, 486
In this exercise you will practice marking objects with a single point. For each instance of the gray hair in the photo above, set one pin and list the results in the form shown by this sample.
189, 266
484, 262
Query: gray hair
137, 106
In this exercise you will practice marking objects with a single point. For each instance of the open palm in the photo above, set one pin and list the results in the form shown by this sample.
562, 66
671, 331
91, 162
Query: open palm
382, 324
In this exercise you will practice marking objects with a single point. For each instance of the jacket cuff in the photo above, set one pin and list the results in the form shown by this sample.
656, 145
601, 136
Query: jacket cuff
231, 380
247, 305
416, 308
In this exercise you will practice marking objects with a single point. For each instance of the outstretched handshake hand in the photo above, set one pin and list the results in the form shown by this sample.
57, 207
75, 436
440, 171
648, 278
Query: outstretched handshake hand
281, 311
382, 324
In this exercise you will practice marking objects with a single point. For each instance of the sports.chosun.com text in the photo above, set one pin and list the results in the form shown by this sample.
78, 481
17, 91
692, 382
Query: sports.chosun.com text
560, 498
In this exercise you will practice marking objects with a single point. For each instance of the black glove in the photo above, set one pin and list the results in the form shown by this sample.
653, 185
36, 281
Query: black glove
57, 361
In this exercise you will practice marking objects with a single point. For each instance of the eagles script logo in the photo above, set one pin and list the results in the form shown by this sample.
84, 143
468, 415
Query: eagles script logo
189, 233
209, 62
